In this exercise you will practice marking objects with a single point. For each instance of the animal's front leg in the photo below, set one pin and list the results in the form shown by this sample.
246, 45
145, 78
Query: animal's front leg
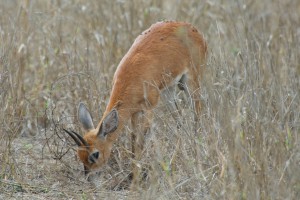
141, 122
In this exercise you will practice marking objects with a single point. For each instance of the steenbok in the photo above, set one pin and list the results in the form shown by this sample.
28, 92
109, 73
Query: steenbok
167, 55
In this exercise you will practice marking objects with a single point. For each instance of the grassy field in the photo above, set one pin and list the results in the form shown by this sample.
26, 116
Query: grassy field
246, 144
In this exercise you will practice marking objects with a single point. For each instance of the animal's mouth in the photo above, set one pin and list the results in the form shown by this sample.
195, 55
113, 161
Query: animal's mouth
90, 175
86, 170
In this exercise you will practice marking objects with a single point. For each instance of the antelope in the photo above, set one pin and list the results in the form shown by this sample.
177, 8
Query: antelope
166, 55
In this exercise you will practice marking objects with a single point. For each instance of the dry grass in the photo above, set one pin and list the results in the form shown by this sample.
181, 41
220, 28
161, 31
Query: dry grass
246, 145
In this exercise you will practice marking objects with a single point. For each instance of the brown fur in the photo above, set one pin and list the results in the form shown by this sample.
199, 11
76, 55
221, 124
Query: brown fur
161, 54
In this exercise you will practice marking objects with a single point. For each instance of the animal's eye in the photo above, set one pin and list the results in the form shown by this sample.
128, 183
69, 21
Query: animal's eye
96, 155
93, 157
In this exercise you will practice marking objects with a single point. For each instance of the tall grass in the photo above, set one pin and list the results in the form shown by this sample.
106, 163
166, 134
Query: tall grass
245, 145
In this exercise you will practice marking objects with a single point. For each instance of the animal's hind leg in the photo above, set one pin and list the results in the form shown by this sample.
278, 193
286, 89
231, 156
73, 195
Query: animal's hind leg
169, 98
191, 87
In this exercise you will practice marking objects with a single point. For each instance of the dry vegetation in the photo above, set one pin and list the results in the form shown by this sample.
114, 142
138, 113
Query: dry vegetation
246, 144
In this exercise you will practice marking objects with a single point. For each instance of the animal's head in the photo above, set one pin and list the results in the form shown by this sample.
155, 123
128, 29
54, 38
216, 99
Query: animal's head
94, 148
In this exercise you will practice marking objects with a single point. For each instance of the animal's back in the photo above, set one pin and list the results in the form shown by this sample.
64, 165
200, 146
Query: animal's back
160, 54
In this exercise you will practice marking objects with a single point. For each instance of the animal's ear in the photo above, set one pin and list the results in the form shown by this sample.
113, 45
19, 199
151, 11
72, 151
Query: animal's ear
109, 123
84, 117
